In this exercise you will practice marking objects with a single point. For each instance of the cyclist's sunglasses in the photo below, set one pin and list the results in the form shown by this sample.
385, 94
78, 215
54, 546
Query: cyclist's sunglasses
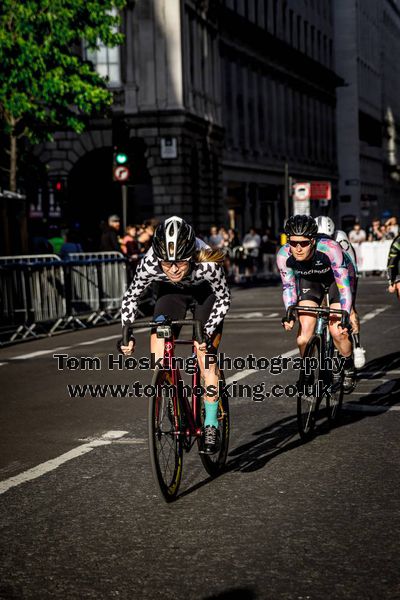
179, 263
303, 244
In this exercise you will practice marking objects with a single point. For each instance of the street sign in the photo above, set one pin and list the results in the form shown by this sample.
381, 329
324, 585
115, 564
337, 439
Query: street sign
301, 191
301, 198
121, 173
320, 190
169, 147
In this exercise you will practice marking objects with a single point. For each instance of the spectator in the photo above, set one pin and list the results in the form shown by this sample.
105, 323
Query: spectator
225, 237
374, 233
130, 236
357, 235
215, 239
56, 240
40, 243
392, 228
268, 252
145, 235
132, 251
70, 245
251, 243
384, 233
109, 238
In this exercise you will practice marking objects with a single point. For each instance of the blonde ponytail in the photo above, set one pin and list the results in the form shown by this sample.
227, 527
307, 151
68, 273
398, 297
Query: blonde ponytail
209, 255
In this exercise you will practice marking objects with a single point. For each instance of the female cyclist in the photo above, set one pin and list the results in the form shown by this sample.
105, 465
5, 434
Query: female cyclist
185, 270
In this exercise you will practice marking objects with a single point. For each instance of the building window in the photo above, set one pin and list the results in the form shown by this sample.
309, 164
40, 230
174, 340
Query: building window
299, 33
275, 17
291, 17
306, 37
107, 61
312, 50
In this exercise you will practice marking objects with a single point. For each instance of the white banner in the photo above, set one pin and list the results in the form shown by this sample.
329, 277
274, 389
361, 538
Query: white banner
372, 256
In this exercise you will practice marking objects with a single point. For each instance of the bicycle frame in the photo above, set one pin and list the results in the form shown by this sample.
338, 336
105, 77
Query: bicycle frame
189, 407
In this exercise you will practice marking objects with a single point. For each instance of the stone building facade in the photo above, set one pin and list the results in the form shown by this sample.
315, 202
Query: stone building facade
245, 88
367, 44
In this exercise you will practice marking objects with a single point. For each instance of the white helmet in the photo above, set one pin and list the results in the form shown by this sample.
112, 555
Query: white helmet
174, 239
325, 225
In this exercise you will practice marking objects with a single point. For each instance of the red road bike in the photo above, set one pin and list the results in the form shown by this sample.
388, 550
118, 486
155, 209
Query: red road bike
175, 421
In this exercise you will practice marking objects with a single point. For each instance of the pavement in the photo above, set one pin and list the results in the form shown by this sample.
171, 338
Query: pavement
80, 517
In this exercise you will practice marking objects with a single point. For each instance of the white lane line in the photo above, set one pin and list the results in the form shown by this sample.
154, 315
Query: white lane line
109, 337
38, 353
272, 315
373, 314
54, 463
54, 350
242, 374
370, 408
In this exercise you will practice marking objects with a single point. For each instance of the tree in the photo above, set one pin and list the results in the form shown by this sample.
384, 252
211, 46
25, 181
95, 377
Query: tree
44, 84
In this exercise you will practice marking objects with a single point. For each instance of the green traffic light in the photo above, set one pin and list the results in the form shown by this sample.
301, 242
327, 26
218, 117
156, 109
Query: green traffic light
121, 158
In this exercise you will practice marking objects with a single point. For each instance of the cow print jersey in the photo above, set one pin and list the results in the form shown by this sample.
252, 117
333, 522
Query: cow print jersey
149, 270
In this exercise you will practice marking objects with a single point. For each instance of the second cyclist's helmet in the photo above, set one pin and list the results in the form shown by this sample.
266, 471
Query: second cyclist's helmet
174, 239
301, 225
325, 225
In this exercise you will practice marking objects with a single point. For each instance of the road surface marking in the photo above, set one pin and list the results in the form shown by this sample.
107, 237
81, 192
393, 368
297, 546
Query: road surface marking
38, 353
373, 313
242, 374
53, 350
54, 463
109, 337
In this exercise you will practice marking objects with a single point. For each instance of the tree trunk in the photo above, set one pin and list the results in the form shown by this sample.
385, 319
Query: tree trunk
13, 162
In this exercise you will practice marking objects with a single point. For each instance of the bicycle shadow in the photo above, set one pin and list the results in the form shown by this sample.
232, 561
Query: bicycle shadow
282, 436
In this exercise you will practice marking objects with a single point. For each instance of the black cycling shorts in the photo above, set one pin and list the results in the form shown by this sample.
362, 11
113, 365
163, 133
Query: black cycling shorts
315, 291
174, 303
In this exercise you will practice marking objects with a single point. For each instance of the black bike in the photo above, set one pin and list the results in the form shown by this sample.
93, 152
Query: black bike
323, 382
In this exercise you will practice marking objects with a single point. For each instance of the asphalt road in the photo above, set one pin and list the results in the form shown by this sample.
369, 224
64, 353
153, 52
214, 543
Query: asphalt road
287, 520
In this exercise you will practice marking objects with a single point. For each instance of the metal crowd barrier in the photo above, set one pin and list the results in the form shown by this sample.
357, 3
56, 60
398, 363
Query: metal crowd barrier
97, 283
40, 294
32, 292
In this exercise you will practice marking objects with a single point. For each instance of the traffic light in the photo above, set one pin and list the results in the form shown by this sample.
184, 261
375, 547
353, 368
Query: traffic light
129, 156
121, 158
120, 141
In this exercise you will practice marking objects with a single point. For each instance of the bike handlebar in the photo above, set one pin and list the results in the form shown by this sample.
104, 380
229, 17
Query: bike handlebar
198, 330
320, 309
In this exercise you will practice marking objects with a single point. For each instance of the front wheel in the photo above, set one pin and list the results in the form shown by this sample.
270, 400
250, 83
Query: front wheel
308, 398
215, 463
334, 399
165, 441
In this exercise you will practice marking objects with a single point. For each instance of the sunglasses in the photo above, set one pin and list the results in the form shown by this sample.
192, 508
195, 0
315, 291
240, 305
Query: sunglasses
169, 263
303, 244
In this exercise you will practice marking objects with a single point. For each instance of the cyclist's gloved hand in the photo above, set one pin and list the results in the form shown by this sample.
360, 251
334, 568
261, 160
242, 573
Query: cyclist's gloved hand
345, 322
289, 319
206, 345
126, 344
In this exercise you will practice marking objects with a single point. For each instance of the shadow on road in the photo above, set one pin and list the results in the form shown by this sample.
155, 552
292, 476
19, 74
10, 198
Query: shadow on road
282, 436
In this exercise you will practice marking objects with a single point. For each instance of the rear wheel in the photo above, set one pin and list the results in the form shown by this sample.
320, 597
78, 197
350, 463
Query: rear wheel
308, 398
214, 463
165, 440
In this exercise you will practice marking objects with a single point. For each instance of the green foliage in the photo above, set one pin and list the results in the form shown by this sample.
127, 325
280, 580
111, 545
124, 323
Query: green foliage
44, 82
